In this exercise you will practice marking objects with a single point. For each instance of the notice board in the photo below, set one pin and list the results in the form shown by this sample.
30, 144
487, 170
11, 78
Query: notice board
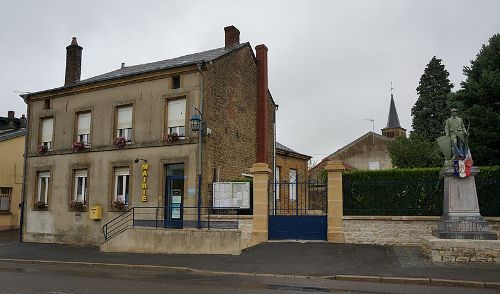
231, 194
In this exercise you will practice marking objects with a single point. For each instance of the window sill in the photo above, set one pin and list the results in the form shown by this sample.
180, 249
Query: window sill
41, 209
5, 212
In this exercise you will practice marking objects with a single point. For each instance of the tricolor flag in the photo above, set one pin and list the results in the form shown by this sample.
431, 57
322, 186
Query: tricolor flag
468, 163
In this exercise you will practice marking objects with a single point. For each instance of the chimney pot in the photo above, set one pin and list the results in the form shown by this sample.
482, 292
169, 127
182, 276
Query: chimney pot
232, 36
123, 64
23, 121
73, 63
10, 114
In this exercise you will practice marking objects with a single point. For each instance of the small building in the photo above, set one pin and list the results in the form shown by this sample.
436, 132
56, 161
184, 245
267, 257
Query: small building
12, 132
368, 152
150, 135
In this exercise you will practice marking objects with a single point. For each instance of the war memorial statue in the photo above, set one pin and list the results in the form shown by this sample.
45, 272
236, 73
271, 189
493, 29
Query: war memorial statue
461, 218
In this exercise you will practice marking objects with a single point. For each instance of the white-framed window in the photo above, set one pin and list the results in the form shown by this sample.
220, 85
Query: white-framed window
176, 116
373, 165
47, 132
293, 184
5, 196
124, 122
42, 194
83, 128
121, 193
80, 186
277, 184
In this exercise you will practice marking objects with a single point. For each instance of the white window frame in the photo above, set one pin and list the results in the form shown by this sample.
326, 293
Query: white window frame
5, 193
177, 126
124, 129
43, 176
125, 173
292, 188
83, 136
80, 175
45, 141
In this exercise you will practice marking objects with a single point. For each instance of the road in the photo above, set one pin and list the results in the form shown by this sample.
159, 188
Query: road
59, 279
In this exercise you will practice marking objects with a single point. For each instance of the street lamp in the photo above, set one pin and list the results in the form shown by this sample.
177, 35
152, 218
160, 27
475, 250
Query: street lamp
198, 125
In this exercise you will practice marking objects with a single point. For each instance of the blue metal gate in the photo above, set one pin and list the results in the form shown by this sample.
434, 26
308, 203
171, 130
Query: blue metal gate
298, 211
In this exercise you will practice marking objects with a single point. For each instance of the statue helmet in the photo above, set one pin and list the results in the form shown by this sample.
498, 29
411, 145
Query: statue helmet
453, 110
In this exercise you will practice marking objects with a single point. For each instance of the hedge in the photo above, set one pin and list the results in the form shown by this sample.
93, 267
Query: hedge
411, 192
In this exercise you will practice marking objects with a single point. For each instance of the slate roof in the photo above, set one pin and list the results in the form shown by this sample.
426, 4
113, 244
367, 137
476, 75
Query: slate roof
204, 56
13, 134
282, 147
393, 119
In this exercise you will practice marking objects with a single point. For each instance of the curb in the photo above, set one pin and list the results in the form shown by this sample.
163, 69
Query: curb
356, 278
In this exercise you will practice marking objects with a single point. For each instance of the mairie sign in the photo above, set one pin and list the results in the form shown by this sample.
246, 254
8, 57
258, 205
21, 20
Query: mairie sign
144, 184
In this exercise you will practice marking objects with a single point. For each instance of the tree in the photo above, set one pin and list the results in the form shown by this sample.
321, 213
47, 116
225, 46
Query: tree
414, 151
431, 109
480, 98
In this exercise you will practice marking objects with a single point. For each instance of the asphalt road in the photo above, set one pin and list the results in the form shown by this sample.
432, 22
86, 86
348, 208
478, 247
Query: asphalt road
30, 278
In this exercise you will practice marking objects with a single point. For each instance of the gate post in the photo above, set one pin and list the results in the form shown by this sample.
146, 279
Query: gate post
335, 203
260, 172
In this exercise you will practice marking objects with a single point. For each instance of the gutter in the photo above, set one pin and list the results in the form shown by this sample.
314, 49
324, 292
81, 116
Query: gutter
25, 169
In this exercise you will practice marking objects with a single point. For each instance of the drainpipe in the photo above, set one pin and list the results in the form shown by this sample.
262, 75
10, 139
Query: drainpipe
200, 142
25, 169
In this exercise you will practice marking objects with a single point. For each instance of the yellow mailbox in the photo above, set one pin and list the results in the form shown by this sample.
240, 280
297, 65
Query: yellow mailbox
95, 212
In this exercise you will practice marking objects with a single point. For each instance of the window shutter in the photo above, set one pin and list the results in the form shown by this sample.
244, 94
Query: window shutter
122, 172
84, 123
47, 129
124, 117
176, 112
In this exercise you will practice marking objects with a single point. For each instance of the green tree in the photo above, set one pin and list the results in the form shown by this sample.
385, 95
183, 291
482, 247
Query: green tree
431, 109
480, 98
414, 151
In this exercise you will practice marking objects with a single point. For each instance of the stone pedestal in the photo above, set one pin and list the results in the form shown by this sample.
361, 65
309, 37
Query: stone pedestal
461, 218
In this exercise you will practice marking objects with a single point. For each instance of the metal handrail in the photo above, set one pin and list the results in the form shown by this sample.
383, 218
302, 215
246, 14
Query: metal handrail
132, 217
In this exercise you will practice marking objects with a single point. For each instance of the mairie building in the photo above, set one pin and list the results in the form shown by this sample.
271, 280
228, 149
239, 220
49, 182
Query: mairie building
128, 138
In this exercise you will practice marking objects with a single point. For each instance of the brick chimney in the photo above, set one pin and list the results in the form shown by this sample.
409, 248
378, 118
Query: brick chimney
262, 88
11, 114
23, 122
73, 63
232, 36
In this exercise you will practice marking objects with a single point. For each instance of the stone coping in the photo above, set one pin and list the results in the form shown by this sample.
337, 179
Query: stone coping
403, 218
460, 243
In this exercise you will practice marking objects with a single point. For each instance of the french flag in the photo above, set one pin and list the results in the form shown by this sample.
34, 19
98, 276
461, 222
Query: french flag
468, 163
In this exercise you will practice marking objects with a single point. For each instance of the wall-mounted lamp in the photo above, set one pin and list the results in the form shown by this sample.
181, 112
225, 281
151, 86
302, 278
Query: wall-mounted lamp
140, 159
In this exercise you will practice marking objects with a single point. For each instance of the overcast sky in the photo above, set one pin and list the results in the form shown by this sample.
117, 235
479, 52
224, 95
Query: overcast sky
330, 62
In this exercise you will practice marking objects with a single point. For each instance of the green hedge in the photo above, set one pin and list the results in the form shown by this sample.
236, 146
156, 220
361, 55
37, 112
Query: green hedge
411, 192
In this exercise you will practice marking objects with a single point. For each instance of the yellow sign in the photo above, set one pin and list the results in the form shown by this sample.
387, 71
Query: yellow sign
144, 184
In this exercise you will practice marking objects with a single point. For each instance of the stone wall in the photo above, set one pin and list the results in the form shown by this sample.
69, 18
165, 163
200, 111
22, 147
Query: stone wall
446, 250
394, 230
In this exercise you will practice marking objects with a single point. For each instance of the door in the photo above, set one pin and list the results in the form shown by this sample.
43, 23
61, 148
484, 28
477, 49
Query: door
174, 196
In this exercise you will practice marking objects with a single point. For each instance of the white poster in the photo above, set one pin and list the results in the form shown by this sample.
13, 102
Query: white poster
231, 195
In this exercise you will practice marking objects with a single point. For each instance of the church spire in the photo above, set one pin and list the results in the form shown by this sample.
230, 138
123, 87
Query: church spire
393, 128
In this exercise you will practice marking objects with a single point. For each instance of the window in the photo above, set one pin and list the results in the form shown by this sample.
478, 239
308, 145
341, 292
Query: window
5, 194
373, 165
121, 185
176, 115
176, 82
43, 187
47, 132
293, 184
124, 123
80, 186
277, 185
47, 104
83, 128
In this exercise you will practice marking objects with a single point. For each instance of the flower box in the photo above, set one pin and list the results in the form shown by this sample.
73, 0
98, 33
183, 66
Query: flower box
77, 205
119, 205
41, 149
120, 142
79, 146
40, 204
174, 137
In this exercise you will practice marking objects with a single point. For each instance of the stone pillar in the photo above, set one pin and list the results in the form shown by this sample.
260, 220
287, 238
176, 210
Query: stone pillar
335, 202
260, 172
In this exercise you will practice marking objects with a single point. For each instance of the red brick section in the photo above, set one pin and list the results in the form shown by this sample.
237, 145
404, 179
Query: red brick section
73, 63
262, 114
232, 36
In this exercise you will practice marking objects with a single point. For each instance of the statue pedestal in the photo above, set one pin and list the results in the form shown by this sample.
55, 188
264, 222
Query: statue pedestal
461, 218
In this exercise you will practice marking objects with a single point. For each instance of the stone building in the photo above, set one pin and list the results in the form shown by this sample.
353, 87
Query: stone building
368, 152
123, 139
12, 132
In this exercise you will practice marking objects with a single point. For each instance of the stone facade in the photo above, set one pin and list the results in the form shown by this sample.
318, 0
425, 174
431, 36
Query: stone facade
228, 87
461, 250
394, 230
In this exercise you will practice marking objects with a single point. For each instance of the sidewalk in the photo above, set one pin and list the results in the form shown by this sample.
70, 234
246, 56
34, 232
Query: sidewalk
283, 258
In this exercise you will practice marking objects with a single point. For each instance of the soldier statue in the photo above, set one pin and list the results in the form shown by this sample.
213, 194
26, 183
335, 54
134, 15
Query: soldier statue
455, 130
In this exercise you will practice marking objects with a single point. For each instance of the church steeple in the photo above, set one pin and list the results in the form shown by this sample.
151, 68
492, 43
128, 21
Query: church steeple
393, 128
